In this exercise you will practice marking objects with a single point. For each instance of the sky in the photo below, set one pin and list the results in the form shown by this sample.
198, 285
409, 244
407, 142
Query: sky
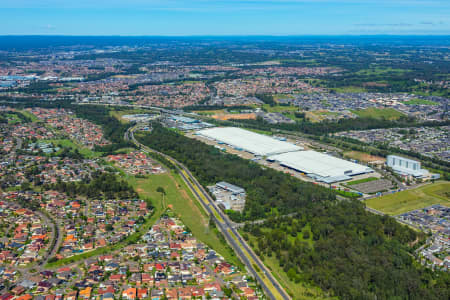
224, 17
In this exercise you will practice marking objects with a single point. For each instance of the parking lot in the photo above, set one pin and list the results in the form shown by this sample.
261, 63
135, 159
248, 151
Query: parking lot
373, 186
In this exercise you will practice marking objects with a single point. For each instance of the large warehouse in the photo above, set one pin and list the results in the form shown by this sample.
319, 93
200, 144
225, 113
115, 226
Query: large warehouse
255, 143
320, 166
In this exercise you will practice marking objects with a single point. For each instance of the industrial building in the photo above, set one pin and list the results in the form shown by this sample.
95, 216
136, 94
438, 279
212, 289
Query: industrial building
139, 117
229, 195
408, 167
320, 166
240, 139
184, 123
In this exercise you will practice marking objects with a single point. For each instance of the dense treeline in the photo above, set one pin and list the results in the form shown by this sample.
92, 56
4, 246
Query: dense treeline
101, 185
267, 189
349, 252
38, 87
266, 98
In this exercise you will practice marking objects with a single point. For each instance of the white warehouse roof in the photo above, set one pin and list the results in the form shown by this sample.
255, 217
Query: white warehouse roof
255, 143
320, 165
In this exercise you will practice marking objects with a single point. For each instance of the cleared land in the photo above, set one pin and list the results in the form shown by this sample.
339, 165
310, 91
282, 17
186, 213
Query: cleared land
401, 202
225, 117
319, 115
364, 157
379, 113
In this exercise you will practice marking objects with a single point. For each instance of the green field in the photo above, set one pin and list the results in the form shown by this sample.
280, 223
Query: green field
368, 179
184, 205
86, 152
401, 202
349, 89
292, 116
281, 96
29, 115
379, 113
347, 194
280, 108
124, 150
13, 119
420, 102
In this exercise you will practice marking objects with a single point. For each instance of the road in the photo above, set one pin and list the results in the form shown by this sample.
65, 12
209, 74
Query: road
34, 268
270, 285
56, 241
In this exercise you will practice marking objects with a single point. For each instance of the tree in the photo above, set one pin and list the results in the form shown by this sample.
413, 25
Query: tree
161, 190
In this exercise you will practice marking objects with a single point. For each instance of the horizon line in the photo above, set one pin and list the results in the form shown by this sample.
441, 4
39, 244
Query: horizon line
229, 35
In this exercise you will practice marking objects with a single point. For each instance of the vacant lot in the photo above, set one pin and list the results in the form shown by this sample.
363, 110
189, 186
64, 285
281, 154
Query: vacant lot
224, 117
379, 113
364, 157
398, 203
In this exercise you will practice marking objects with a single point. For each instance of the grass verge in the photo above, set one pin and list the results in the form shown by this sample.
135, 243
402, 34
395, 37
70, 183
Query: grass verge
379, 113
368, 179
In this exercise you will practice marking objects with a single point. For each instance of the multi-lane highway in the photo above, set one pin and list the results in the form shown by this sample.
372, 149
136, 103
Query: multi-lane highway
254, 265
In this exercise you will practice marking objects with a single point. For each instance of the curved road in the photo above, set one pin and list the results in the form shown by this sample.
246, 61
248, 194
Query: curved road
226, 227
